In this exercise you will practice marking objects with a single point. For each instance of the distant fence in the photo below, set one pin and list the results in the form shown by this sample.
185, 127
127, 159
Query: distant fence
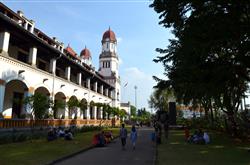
25, 123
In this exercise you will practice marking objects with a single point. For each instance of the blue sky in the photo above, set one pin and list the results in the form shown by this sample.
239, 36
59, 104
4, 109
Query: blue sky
83, 22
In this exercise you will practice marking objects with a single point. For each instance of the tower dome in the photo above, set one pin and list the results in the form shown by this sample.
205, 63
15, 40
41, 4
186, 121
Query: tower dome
85, 53
110, 35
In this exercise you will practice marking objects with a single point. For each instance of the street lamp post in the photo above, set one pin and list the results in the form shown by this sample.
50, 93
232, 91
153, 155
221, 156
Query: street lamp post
135, 98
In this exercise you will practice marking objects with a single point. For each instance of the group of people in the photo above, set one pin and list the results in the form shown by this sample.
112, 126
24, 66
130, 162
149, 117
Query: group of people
199, 137
102, 138
124, 134
54, 133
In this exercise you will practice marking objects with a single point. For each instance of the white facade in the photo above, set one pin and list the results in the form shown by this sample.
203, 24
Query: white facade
36, 63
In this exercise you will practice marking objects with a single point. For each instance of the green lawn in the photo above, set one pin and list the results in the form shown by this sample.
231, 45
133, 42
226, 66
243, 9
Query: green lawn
221, 151
41, 152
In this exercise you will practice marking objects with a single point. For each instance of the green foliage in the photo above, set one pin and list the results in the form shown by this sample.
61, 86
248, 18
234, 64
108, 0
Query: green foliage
143, 115
92, 103
159, 99
73, 102
206, 63
107, 109
133, 110
58, 104
98, 105
122, 113
83, 105
39, 103
13, 137
180, 114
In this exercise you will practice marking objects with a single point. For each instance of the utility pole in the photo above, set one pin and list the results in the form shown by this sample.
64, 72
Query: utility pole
135, 98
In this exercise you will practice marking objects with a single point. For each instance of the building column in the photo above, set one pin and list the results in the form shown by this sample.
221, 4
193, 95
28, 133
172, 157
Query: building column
67, 73
2, 92
95, 86
78, 113
106, 116
87, 112
106, 91
101, 113
32, 56
110, 93
101, 89
94, 112
4, 41
52, 66
88, 83
81, 114
79, 78
66, 112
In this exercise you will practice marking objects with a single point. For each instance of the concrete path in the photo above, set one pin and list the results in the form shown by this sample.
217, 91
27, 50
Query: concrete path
112, 154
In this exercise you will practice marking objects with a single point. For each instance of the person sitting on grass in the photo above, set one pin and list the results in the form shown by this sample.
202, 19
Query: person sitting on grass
197, 137
51, 135
108, 136
101, 139
206, 138
68, 135
61, 132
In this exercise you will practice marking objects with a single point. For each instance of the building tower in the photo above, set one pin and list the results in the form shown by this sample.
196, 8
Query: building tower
109, 64
85, 56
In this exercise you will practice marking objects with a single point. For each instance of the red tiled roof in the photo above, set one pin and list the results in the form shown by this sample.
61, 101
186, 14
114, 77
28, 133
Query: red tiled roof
85, 53
109, 34
70, 51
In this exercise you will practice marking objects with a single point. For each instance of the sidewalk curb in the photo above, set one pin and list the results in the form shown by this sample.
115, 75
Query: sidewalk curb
73, 154
69, 156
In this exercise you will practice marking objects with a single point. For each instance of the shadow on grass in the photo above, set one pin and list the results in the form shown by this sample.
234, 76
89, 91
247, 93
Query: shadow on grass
221, 151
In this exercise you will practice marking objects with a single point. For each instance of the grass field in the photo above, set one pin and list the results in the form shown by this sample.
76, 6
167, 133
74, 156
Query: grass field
41, 151
221, 151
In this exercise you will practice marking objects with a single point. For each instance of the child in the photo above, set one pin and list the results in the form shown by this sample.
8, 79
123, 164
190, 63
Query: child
133, 136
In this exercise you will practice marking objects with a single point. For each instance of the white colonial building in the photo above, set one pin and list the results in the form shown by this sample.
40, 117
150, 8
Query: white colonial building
31, 62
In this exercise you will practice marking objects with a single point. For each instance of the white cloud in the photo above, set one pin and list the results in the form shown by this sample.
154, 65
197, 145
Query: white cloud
144, 82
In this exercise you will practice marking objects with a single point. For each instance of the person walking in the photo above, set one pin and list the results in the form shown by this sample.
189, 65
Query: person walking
123, 136
133, 136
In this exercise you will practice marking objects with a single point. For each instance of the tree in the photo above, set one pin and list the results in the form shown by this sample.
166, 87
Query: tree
58, 104
133, 110
143, 115
39, 103
159, 99
72, 104
83, 104
208, 61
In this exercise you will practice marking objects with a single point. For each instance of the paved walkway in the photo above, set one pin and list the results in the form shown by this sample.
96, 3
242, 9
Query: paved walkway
113, 154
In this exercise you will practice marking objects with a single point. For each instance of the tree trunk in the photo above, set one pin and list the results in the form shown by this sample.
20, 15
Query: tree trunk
212, 113
231, 118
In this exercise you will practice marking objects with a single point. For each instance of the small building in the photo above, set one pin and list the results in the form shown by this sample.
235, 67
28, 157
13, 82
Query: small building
126, 107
